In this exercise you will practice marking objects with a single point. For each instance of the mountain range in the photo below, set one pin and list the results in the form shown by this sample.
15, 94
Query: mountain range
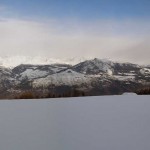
92, 77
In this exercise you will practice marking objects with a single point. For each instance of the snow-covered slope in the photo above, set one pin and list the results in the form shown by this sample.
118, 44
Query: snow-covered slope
31, 74
67, 77
37, 71
124, 78
6, 78
145, 71
98, 66
95, 66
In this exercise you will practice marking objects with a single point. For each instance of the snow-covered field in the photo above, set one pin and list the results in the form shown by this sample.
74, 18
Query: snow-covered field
89, 123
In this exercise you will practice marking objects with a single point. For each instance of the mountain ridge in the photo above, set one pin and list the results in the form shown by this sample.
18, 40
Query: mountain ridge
14, 61
94, 77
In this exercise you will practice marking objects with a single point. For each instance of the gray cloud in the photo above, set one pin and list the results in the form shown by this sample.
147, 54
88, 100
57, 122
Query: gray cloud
118, 40
139, 53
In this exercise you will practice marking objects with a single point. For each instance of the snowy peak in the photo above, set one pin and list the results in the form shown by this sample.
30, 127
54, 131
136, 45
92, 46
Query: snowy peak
95, 66
100, 66
13, 61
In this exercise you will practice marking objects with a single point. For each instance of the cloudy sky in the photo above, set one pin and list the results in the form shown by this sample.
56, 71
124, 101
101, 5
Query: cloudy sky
113, 29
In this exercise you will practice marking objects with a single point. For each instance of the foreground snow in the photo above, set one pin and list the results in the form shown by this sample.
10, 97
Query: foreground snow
89, 123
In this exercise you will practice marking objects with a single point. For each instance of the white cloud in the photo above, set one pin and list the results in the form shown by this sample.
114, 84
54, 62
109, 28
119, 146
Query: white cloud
64, 39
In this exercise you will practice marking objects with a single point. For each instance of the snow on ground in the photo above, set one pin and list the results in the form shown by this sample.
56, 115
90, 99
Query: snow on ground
129, 93
89, 123
145, 71
57, 69
68, 77
100, 64
127, 74
31, 74
124, 78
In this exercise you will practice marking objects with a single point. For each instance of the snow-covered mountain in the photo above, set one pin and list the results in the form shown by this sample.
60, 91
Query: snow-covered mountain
37, 71
100, 66
95, 76
81, 73
95, 66
13, 61
67, 77
7, 79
